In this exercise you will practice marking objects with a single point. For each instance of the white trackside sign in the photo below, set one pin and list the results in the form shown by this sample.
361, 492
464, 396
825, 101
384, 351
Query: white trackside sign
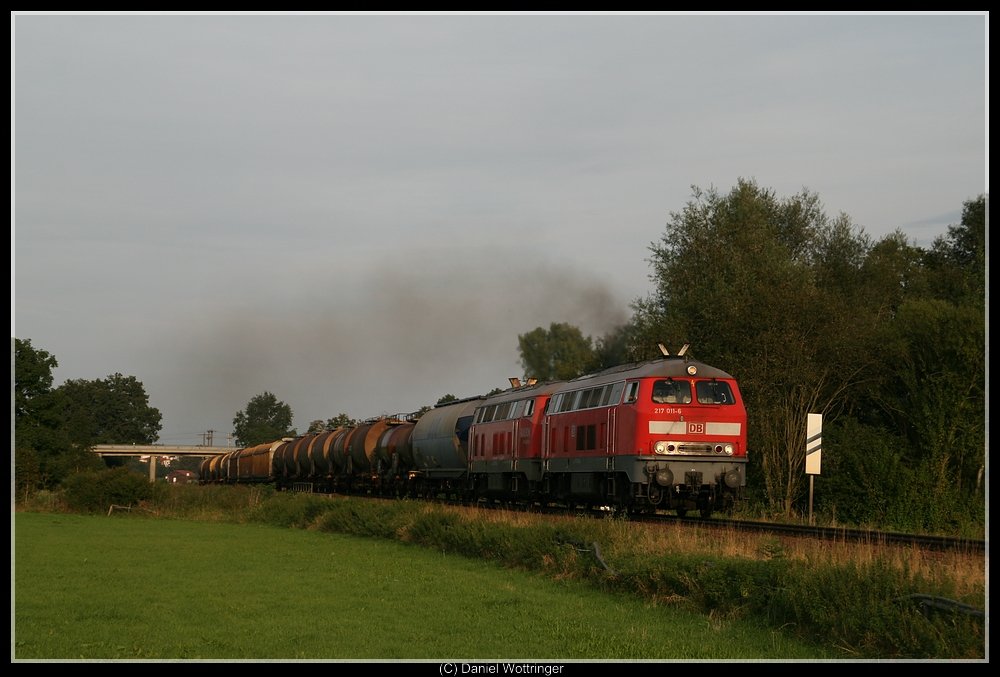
814, 443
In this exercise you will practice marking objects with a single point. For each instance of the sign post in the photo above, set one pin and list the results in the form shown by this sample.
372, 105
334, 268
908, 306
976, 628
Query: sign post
814, 453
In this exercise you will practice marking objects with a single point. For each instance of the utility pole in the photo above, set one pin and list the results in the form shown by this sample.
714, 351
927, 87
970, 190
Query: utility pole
210, 435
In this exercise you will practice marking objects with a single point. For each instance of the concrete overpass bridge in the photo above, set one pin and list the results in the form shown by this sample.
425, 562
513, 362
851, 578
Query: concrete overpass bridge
155, 451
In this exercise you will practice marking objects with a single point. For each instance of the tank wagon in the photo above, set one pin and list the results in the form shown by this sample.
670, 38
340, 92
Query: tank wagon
668, 433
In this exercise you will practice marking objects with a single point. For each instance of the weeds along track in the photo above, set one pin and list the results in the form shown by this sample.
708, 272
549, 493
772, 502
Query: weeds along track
839, 534
834, 534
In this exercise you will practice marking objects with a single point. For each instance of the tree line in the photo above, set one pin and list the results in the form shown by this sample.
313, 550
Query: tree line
886, 339
54, 428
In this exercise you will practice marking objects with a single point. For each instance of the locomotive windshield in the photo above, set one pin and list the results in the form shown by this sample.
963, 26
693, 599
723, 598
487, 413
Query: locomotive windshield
714, 392
672, 392
669, 391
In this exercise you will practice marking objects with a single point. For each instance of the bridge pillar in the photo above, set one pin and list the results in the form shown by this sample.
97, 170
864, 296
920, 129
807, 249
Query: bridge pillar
152, 469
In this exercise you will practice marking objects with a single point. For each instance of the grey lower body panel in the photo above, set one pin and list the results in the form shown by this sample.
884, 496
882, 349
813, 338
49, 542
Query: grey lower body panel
530, 469
640, 469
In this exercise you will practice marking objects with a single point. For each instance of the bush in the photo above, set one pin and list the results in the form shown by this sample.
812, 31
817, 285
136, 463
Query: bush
96, 491
365, 518
869, 479
871, 610
864, 474
287, 509
210, 502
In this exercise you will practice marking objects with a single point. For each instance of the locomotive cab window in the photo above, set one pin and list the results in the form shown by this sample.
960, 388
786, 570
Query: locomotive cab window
633, 392
714, 392
670, 391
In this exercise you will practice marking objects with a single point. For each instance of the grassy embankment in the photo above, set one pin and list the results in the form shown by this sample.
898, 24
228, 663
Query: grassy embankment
853, 600
90, 587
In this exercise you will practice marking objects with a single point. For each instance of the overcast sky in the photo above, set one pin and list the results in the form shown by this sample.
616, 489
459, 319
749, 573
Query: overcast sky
360, 214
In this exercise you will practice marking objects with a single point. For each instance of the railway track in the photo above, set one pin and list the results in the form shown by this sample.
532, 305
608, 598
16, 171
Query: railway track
838, 534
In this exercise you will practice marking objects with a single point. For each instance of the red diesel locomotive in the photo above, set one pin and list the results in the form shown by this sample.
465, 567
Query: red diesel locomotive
668, 433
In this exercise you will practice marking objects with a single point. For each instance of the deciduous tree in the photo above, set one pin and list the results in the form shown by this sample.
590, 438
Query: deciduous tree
39, 431
113, 410
560, 352
265, 419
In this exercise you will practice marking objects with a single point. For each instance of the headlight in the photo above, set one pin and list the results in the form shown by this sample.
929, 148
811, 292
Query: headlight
660, 448
729, 449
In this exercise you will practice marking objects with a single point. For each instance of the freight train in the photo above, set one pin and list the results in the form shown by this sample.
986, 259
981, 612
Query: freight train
664, 434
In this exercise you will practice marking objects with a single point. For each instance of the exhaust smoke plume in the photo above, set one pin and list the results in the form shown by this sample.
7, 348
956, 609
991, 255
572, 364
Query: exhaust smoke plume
385, 341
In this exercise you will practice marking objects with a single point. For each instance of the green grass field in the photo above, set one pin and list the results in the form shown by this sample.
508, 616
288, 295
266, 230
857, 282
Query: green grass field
134, 588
